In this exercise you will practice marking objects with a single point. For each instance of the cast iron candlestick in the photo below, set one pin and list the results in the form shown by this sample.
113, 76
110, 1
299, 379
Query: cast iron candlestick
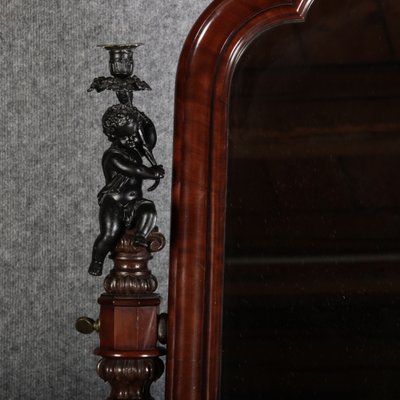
129, 325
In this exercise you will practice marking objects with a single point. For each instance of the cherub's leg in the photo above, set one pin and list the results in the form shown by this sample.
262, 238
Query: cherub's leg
111, 230
146, 217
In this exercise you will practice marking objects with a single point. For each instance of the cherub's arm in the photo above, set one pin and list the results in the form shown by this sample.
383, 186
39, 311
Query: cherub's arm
149, 133
126, 167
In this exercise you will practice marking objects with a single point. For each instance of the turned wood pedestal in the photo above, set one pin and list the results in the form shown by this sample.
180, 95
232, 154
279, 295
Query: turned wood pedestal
129, 321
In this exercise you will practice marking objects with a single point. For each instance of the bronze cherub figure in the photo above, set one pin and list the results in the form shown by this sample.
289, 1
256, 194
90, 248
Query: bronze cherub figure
122, 205
133, 136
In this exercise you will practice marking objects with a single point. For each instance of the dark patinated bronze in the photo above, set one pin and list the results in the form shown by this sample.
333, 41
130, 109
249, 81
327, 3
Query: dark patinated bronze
121, 68
133, 137
162, 328
87, 325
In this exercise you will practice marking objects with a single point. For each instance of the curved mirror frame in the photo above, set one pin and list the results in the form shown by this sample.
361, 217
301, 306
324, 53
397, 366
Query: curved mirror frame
210, 55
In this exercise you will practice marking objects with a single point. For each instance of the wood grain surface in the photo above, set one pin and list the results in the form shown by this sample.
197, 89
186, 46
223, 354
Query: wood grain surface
210, 54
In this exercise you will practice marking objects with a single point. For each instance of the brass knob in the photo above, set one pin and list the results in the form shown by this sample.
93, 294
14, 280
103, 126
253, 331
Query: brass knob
162, 328
87, 325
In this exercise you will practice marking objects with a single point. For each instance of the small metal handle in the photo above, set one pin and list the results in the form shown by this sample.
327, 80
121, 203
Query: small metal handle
87, 325
162, 328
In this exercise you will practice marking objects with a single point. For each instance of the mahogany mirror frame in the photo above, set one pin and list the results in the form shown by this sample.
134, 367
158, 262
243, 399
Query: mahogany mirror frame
208, 60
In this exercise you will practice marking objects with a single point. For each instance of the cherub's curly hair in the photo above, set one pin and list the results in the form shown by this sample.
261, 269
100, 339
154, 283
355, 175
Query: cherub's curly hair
115, 117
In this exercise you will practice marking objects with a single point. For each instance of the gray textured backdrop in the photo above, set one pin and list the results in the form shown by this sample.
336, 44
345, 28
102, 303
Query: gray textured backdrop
50, 162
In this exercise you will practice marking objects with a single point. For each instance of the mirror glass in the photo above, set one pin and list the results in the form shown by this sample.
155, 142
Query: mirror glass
312, 253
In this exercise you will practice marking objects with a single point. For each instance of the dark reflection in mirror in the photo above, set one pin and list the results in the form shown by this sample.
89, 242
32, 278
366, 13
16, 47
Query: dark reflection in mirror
312, 269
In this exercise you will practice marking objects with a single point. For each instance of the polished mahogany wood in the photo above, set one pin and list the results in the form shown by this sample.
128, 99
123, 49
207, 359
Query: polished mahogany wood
210, 54
129, 321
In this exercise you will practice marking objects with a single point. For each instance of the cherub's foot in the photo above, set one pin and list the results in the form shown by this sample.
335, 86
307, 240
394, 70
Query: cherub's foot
140, 240
95, 268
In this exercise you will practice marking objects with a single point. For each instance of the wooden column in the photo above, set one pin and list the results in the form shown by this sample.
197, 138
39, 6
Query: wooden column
128, 325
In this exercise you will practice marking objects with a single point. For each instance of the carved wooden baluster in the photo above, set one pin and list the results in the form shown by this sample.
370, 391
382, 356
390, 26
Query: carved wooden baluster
129, 321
